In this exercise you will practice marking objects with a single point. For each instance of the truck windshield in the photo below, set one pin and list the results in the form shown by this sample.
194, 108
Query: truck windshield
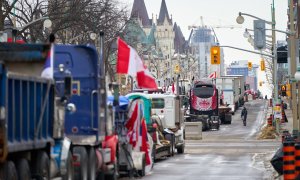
203, 91
158, 103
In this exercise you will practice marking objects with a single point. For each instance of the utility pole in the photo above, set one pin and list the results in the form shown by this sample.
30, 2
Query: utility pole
275, 79
293, 65
297, 58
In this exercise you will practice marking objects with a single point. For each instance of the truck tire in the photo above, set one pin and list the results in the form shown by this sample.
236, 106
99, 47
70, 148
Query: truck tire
113, 175
8, 171
70, 168
93, 164
153, 154
41, 166
23, 169
81, 170
142, 172
180, 149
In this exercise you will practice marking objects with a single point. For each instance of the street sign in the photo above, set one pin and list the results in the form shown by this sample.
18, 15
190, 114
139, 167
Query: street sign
259, 34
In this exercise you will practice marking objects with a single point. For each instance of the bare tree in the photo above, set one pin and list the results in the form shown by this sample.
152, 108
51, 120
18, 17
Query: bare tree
72, 20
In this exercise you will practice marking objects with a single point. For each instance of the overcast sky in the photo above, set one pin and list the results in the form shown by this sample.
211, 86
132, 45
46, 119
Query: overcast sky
223, 13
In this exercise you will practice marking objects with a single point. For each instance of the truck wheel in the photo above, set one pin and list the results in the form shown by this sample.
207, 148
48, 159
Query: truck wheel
93, 164
41, 167
113, 175
171, 138
81, 168
142, 172
23, 169
180, 149
9, 171
70, 168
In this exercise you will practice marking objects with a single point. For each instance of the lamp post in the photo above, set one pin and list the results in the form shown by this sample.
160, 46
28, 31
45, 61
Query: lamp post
293, 65
240, 20
47, 24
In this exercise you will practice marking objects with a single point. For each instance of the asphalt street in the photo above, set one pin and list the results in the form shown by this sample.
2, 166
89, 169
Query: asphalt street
231, 153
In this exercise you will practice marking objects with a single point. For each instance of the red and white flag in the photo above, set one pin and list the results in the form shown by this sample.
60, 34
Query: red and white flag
133, 123
130, 63
144, 142
213, 75
137, 130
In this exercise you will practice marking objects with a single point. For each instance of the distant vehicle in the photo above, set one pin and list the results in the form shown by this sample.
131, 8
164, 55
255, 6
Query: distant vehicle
170, 115
204, 105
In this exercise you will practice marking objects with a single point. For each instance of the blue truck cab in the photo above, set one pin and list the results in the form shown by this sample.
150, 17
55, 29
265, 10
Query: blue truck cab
94, 148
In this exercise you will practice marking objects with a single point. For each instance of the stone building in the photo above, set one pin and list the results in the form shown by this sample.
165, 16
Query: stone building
158, 40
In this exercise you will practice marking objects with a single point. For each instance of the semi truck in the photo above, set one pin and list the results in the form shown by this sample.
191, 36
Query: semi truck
93, 141
32, 142
204, 105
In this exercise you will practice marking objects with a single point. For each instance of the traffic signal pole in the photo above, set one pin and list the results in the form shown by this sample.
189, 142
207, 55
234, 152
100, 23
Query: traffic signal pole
275, 78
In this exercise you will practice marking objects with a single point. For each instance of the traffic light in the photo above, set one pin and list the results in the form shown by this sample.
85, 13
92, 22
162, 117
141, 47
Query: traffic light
249, 66
260, 83
177, 68
262, 65
215, 55
259, 34
283, 90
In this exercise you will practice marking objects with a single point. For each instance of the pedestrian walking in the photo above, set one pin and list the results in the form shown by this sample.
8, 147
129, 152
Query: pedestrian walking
244, 115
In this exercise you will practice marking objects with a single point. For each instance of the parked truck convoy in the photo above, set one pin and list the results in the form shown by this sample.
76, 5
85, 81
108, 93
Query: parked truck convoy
32, 116
62, 126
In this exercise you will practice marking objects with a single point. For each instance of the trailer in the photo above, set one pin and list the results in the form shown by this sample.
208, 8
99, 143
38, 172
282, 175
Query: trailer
32, 138
228, 86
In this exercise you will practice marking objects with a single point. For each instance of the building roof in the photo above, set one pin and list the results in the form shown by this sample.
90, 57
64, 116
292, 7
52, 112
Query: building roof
179, 40
139, 11
163, 13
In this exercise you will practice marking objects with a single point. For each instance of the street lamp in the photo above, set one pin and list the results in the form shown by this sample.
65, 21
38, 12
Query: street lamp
240, 20
47, 24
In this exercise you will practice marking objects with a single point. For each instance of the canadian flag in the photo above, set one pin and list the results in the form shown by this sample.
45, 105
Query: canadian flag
130, 63
213, 75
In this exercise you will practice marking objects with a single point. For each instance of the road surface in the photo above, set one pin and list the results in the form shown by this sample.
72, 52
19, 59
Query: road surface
232, 153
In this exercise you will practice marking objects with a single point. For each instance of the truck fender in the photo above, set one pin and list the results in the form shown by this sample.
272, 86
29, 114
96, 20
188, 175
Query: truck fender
66, 144
99, 158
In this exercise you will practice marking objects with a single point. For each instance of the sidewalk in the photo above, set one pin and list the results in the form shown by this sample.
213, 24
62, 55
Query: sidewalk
268, 133
289, 115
